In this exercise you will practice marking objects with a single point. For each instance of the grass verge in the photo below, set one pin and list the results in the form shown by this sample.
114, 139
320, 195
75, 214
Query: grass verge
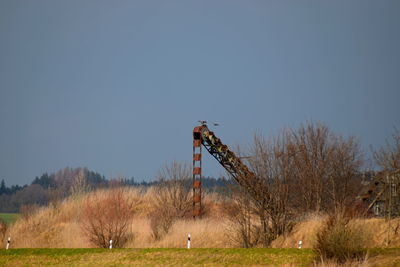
179, 257
156, 257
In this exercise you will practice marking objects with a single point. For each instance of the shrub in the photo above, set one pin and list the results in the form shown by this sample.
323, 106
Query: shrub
172, 198
243, 229
174, 189
341, 240
161, 220
107, 217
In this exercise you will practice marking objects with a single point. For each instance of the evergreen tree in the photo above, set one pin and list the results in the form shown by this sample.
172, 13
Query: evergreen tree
45, 181
3, 188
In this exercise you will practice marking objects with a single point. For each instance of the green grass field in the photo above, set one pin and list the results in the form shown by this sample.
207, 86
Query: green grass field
176, 257
9, 218
155, 257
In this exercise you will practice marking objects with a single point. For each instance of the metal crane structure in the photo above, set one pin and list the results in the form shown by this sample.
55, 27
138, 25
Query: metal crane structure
257, 188
383, 197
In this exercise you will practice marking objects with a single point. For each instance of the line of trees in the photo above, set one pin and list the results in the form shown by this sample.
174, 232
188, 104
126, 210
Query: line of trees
56, 186
9, 190
47, 188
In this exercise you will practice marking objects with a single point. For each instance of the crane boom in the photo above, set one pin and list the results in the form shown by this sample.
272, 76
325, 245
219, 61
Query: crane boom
382, 188
257, 188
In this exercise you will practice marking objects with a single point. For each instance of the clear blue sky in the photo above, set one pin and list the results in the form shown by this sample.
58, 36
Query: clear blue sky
118, 86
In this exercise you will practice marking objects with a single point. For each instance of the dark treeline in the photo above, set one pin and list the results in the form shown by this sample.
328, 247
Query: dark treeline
9, 190
209, 183
56, 186
48, 187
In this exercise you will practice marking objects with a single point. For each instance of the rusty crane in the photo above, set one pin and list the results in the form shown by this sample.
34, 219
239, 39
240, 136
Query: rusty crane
382, 195
202, 136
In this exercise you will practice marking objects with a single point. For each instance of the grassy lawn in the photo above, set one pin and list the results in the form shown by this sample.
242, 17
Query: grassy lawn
9, 218
177, 257
156, 257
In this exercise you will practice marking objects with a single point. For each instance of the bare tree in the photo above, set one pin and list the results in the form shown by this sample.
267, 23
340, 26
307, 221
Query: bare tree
326, 167
79, 184
174, 189
271, 163
311, 151
172, 197
343, 184
388, 158
106, 217
309, 169
244, 221
264, 213
161, 220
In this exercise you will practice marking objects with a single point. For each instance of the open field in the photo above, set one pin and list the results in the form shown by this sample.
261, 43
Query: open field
157, 257
9, 218
179, 257
53, 236
60, 226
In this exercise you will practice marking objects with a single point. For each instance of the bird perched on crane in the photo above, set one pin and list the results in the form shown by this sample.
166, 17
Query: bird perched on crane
205, 123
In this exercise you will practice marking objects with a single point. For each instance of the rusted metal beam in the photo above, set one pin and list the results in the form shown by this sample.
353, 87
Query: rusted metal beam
257, 188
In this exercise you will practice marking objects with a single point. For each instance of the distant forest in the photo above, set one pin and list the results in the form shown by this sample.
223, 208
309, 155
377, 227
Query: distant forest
57, 186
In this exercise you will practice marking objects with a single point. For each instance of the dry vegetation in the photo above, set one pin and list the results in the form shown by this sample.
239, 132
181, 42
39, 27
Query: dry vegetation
303, 174
379, 230
106, 219
62, 226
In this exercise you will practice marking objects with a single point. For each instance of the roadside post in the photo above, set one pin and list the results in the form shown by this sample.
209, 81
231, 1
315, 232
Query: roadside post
8, 242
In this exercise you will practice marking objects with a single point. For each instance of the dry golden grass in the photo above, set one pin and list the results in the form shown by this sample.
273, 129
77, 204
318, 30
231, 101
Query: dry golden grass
304, 231
354, 263
59, 226
383, 233
53, 226
205, 233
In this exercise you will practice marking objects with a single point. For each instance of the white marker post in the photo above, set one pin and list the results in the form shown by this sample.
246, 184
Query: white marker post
188, 241
110, 244
8, 242
300, 243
